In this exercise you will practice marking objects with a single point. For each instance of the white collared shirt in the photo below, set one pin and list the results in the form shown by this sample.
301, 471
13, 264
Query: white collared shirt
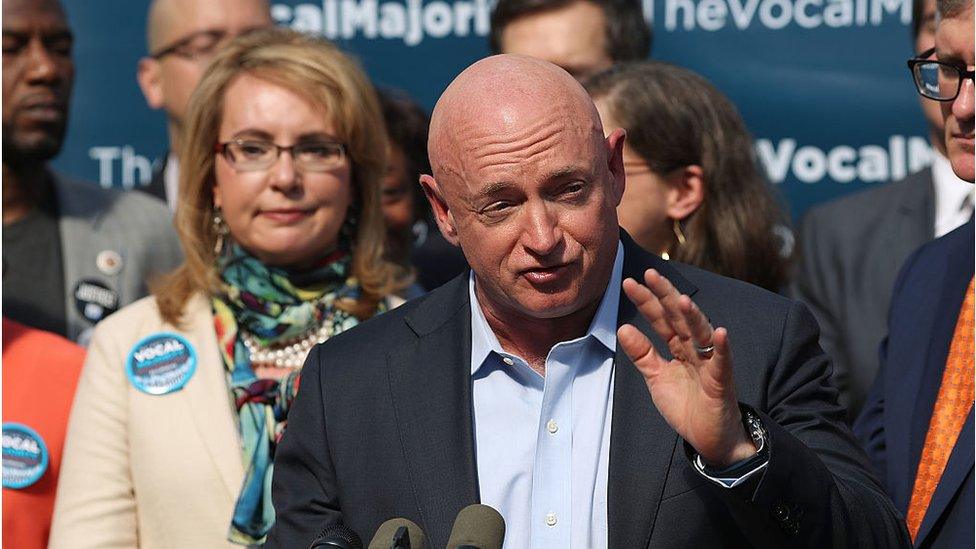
953, 197
543, 443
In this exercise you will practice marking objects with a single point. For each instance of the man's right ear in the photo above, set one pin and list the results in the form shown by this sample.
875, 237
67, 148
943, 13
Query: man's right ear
615, 162
150, 81
442, 214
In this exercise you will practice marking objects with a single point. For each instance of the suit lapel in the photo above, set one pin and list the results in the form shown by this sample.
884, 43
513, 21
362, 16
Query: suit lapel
959, 465
208, 397
641, 442
430, 384
956, 272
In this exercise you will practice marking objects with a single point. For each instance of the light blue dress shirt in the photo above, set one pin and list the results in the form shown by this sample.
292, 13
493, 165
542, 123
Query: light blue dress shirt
543, 443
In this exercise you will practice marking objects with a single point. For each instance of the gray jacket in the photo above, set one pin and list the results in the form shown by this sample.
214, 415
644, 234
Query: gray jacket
850, 252
112, 240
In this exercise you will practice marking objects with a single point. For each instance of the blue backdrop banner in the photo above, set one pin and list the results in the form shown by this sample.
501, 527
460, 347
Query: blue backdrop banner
822, 84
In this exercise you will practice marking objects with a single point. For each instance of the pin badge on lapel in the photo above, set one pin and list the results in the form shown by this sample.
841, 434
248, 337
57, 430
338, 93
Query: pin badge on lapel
95, 300
109, 262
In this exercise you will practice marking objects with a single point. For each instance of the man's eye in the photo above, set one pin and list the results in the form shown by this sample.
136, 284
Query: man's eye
573, 189
496, 208
12, 46
60, 47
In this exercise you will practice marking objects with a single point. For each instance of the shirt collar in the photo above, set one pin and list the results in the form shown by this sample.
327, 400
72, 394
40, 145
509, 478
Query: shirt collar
603, 327
950, 190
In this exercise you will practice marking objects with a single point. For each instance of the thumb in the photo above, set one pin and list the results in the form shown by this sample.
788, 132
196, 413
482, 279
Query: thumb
639, 349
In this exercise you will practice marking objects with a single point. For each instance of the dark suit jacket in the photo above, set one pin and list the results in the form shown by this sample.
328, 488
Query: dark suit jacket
850, 252
924, 311
382, 428
157, 185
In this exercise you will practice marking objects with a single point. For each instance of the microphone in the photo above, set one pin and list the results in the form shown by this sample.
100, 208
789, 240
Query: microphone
398, 533
338, 536
477, 527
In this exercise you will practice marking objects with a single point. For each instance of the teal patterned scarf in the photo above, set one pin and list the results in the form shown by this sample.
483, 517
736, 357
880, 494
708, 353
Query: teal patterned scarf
273, 305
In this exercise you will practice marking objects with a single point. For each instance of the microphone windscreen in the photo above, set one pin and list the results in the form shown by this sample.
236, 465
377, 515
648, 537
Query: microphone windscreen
338, 536
383, 539
478, 526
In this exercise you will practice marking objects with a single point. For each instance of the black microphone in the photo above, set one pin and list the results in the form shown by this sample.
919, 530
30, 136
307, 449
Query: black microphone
338, 536
477, 527
398, 533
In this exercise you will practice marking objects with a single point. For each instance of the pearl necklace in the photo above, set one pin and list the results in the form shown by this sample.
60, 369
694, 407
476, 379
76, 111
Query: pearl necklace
288, 354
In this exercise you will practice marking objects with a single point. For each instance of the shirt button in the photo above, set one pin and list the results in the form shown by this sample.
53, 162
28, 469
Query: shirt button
552, 426
551, 519
507, 360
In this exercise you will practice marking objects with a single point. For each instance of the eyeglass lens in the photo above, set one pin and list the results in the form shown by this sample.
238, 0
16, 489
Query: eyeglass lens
937, 80
261, 155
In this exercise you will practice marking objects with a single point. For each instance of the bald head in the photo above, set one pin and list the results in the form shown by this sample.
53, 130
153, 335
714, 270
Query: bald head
189, 33
527, 185
169, 20
504, 95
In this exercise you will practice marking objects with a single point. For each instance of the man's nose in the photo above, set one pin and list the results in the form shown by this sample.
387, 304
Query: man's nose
42, 65
962, 106
541, 233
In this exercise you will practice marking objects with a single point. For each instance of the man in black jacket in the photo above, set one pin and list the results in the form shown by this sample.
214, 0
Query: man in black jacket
533, 385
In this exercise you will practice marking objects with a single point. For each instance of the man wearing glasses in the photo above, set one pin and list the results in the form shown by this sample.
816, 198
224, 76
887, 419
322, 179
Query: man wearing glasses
852, 248
183, 36
917, 425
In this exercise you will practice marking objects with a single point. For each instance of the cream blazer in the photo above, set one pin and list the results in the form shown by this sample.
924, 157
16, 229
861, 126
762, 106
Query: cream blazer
142, 470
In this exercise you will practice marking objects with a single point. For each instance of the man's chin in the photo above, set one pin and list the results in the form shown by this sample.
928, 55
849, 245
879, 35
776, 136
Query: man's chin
551, 306
961, 158
31, 149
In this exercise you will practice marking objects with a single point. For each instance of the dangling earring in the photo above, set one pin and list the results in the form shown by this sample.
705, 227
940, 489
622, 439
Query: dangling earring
220, 228
676, 227
678, 234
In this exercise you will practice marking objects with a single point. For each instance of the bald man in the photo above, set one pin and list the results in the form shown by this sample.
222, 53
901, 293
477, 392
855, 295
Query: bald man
589, 409
182, 38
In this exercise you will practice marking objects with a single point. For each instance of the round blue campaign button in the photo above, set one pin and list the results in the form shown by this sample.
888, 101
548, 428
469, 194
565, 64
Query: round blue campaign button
25, 456
161, 363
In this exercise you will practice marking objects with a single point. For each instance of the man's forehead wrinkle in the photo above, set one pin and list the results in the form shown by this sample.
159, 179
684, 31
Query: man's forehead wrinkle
505, 109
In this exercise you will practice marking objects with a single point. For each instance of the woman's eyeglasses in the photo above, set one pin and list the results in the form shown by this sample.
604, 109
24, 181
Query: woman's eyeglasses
251, 155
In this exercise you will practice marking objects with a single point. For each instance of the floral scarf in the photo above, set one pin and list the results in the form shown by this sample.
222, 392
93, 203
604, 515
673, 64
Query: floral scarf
273, 305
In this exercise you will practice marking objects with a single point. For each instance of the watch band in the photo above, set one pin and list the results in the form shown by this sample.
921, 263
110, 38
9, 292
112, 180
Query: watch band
754, 427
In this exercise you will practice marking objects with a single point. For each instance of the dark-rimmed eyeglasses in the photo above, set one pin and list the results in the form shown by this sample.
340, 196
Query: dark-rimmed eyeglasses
200, 45
937, 80
248, 155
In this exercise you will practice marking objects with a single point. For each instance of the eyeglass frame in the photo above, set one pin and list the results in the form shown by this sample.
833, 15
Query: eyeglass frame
923, 58
217, 34
222, 149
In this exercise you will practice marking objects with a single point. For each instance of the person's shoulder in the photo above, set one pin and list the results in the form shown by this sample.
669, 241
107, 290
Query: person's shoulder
958, 240
85, 198
131, 322
408, 321
731, 290
145, 308
853, 213
57, 349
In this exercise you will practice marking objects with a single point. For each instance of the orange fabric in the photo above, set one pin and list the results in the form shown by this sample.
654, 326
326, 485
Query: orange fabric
952, 405
40, 372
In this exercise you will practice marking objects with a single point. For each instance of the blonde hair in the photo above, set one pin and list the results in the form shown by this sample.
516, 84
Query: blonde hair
314, 69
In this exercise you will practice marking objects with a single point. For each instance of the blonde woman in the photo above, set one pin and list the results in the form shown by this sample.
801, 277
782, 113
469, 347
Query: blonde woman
184, 394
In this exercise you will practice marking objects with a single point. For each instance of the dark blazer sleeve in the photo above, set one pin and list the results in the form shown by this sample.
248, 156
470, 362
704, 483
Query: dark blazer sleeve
817, 490
303, 490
